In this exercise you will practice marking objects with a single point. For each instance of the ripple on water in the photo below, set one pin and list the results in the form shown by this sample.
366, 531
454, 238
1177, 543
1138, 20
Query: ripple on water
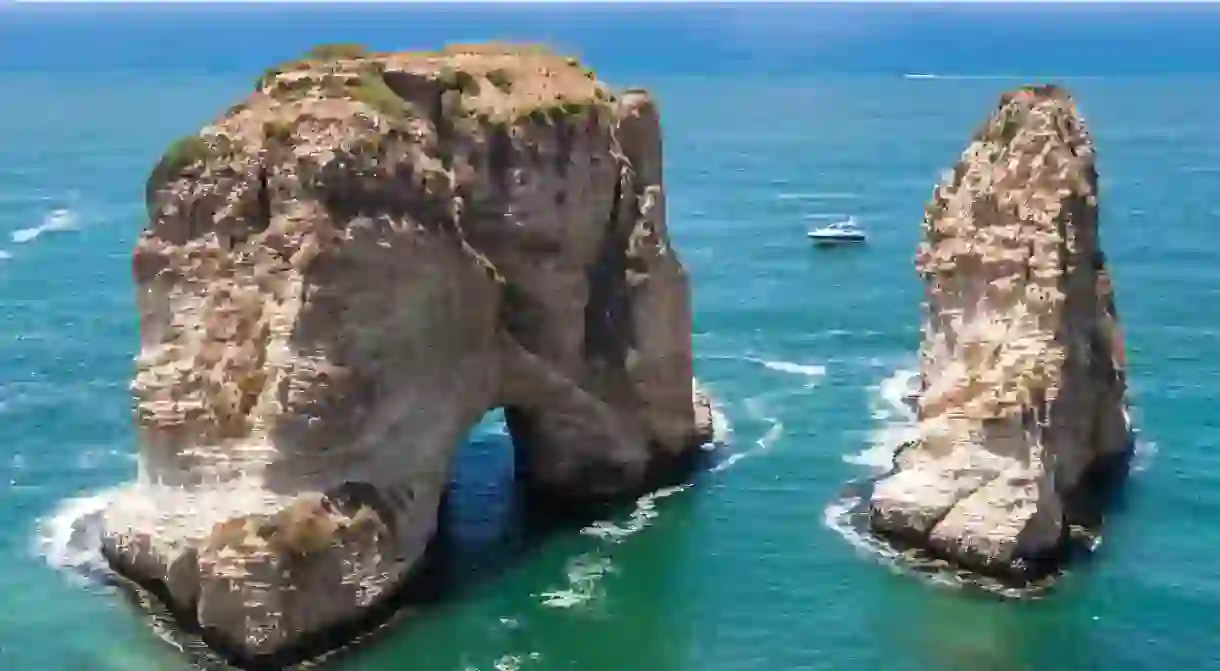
586, 571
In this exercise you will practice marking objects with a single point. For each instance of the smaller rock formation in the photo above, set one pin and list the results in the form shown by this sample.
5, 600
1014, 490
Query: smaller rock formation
1023, 390
341, 275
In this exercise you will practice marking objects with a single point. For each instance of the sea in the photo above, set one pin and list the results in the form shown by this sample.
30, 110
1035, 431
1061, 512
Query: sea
776, 117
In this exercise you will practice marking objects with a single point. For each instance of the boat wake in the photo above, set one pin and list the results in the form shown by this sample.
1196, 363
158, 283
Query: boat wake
989, 77
808, 370
811, 371
55, 220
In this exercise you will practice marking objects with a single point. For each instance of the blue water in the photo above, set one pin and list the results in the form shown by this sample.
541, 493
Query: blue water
771, 115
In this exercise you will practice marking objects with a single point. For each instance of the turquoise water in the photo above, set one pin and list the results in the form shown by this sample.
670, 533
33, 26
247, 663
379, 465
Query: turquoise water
772, 119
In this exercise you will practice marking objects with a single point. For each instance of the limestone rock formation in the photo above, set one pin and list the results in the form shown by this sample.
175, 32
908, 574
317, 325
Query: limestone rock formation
1023, 387
342, 275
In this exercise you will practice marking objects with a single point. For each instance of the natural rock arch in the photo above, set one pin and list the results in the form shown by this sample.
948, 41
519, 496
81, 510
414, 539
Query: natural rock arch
342, 275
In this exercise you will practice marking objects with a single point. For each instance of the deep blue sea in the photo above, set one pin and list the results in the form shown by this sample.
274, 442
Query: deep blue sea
775, 118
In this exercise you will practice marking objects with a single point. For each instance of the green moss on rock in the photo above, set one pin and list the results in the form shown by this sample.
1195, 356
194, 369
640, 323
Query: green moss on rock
330, 52
374, 92
182, 154
500, 79
278, 129
318, 54
453, 78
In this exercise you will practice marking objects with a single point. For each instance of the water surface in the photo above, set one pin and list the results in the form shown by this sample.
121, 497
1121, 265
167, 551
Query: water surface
774, 119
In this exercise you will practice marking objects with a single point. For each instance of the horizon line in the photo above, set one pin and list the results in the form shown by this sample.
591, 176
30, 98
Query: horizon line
170, 3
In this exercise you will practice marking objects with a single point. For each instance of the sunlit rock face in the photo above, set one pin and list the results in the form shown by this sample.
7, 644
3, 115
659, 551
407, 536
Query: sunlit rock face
342, 274
1023, 389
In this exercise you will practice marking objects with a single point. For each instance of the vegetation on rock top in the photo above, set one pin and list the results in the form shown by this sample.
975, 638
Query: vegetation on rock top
491, 84
181, 154
499, 81
327, 52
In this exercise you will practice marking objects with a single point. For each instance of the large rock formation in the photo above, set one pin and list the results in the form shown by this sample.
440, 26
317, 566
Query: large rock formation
342, 275
1023, 389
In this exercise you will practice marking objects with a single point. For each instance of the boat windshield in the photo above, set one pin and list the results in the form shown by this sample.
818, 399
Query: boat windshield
841, 225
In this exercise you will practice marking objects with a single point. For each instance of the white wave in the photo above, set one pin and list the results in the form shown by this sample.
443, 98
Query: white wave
838, 518
584, 573
894, 392
898, 424
55, 220
4, 256
722, 428
773, 432
70, 537
1145, 452
896, 420
586, 570
509, 662
642, 516
729, 461
811, 371
499, 428
807, 370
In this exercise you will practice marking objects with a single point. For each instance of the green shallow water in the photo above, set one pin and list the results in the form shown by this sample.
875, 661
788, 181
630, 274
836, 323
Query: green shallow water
804, 349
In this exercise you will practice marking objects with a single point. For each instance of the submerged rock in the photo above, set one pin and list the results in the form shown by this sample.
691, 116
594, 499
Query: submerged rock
1022, 383
342, 275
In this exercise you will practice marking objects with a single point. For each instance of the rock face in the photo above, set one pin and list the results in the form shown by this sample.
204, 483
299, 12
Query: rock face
342, 275
1023, 388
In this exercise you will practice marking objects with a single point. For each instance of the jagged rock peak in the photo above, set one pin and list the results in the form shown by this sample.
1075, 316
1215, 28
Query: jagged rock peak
1021, 361
341, 275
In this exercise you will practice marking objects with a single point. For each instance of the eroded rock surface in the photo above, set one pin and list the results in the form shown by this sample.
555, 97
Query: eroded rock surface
1023, 388
342, 275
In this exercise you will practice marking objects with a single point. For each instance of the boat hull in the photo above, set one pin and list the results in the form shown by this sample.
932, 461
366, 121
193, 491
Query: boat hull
827, 241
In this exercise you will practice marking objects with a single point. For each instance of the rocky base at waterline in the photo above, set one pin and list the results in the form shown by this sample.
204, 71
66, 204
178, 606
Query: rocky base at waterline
851, 515
1022, 412
341, 275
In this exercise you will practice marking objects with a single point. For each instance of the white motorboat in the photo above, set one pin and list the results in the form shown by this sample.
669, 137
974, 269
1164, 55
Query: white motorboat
839, 232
